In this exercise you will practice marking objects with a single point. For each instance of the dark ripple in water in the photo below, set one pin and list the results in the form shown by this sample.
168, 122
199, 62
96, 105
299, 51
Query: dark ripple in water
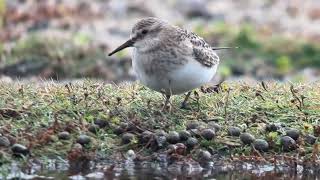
55, 169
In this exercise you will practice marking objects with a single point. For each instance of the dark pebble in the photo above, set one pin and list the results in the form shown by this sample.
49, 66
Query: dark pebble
161, 141
214, 125
272, 128
146, 136
173, 137
195, 133
128, 126
4, 142
234, 131
310, 139
160, 132
65, 135
184, 135
208, 134
287, 143
94, 128
127, 138
192, 125
101, 123
204, 156
293, 133
118, 130
18, 150
191, 142
247, 138
83, 139
180, 149
261, 145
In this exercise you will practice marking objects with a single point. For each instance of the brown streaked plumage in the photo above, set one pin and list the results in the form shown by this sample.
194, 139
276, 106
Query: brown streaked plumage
169, 59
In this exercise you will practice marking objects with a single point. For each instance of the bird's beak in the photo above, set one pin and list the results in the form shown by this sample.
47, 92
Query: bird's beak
129, 43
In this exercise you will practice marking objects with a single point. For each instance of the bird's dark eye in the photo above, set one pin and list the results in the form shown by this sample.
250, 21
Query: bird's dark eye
144, 31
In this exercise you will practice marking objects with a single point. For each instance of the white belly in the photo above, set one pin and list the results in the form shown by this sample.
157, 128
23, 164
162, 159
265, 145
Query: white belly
185, 78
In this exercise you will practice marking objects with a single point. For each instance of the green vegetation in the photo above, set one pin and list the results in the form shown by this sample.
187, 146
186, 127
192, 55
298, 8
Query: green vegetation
285, 54
34, 115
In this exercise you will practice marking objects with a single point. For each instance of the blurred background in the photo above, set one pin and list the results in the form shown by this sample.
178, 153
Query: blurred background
70, 39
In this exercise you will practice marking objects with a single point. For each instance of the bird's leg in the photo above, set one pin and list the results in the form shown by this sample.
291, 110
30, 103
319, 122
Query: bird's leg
167, 101
184, 103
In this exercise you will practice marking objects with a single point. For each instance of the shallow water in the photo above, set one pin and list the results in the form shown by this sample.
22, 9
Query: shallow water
150, 170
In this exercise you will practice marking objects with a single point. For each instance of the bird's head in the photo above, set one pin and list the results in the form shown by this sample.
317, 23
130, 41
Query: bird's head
146, 33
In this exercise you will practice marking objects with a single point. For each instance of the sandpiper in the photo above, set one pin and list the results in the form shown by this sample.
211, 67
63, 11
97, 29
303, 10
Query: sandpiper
169, 59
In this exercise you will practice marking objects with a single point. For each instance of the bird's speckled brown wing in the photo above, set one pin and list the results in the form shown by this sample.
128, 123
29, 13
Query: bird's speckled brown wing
201, 51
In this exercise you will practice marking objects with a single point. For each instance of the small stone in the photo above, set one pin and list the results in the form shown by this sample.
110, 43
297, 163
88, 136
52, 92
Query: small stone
293, 133
101, 123
272, 128
247, 138
310, 139
94, 128
18, 150
195, 133
214, 125
65, 135
173, 137
191, 142
130, 155
261, 145
204, 156
160, 132
83, 139
127, 138
208, 134
180, 149
161, 141
192, 125
4, 142
146, 136
234, 131
184, 135
287, 143
118, 130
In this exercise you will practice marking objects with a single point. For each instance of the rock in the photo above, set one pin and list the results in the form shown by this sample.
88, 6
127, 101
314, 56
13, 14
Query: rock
204, 156
83, 139
195, 133
127, 138
161, 141
173, 137
4, 142
118, 130
214, 125
130, 155
287, 143
261, 145
94, 128
247, 138
191, 142
146, 136
272, 128
19, 150
160, 132
208, 134
184, 135
65, 135
234, 131
192, 125
310, 139
101, 123
293, 133
181, 149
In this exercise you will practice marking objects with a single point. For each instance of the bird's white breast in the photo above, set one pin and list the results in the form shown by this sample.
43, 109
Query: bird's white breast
184, 78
